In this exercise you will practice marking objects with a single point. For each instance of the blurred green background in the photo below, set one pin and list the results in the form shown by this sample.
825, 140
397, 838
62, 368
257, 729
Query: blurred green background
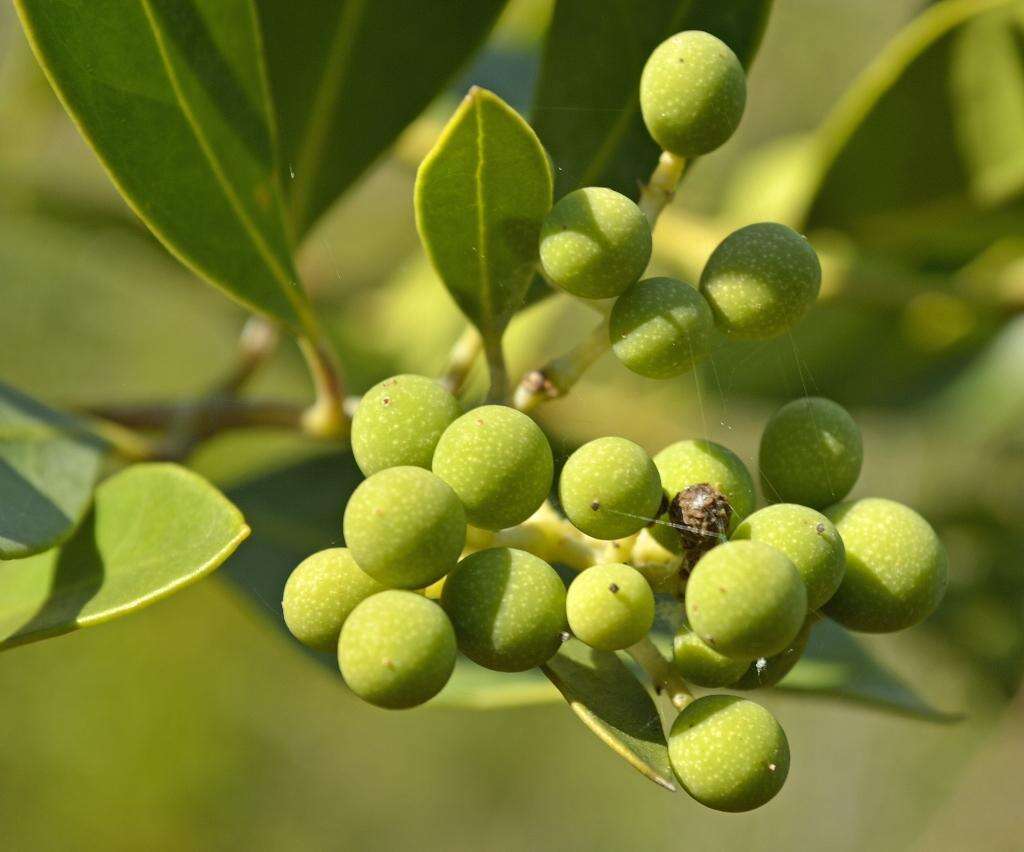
196, 725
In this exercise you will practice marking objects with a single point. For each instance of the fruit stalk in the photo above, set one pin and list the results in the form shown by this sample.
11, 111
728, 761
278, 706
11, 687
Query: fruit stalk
667, 681
661, 188
554, 379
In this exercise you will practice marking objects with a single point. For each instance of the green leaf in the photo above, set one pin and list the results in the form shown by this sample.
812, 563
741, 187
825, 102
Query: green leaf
173, 99
586, 105
610, 701
924, 156
348, 76
48, 468
154, 529
481, 196
837, 665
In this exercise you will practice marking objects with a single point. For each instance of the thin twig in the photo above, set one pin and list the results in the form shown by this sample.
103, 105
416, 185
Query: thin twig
461, 360
667, 681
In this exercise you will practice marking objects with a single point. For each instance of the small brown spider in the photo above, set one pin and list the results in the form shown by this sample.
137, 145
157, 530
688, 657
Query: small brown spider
700, 514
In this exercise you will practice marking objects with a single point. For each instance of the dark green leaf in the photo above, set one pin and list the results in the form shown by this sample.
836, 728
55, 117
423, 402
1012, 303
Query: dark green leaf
173, 99
586, 106
924, 157
481, 195
348, 75
154, 529
48, 468
610, 701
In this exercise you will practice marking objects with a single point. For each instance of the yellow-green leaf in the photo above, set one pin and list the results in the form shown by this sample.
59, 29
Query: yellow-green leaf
154, 529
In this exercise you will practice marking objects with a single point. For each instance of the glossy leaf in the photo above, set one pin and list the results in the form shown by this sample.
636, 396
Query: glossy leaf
924, 157
481, 196
348, 75
154, 529
48, 468
609, 700
586, 105
173, 99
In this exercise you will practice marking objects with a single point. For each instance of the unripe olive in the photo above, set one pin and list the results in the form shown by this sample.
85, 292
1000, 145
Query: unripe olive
811, 453
397, 649
761, 280
701, 664
692, 93
610, 607
320, 594
499, 463
609, 488
399, 421
808, 538
595, 242
508, 608
405, 527
728, 753
896, 566
687, 463
746, 599
769, 671
660, 327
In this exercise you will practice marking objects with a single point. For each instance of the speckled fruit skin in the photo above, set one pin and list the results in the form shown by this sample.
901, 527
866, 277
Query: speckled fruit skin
808, 538
595, 242
692, 93
508, 608
761, 280
687, 463
746, 599
810, 454
769, 671
499, 463
896, 566
610, 607
660, 327
609, 488
399, 422
702, 665
320, 594
397, 650
728, 753
405, 527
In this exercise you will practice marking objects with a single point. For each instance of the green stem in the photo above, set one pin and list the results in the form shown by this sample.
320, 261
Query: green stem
667, 681
661, 188
496, 366
557, 377
326, 417
461, 359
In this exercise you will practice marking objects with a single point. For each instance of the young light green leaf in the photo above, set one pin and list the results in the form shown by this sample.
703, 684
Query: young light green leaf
609, 700
951, 84
481, 195
586, 105
154, 529
173, 99
348, 76
48, 468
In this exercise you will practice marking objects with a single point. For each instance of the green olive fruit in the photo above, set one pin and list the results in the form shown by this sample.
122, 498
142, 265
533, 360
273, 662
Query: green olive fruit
810, 454
405, 527
595, 242
397, 649
701, 664
896, 566
609, 488
610, 607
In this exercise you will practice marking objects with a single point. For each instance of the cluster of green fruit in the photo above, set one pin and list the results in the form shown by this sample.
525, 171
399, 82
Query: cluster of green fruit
596, 243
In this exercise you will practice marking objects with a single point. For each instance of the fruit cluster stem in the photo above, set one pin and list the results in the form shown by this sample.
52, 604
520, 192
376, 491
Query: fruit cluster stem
667, 681
461, 360
661, 188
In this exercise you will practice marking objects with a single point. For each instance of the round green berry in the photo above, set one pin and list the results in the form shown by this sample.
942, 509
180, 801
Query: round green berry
397, 649
746, 599
320, 594
728, 753
609, 488
399, 421
687, 463
508, 608
761, 280
769, 671
660, 327
595, 242
811, 453
896, 566
692, 93
610, 607
701, 664
808, 538
499, 463
405, 527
